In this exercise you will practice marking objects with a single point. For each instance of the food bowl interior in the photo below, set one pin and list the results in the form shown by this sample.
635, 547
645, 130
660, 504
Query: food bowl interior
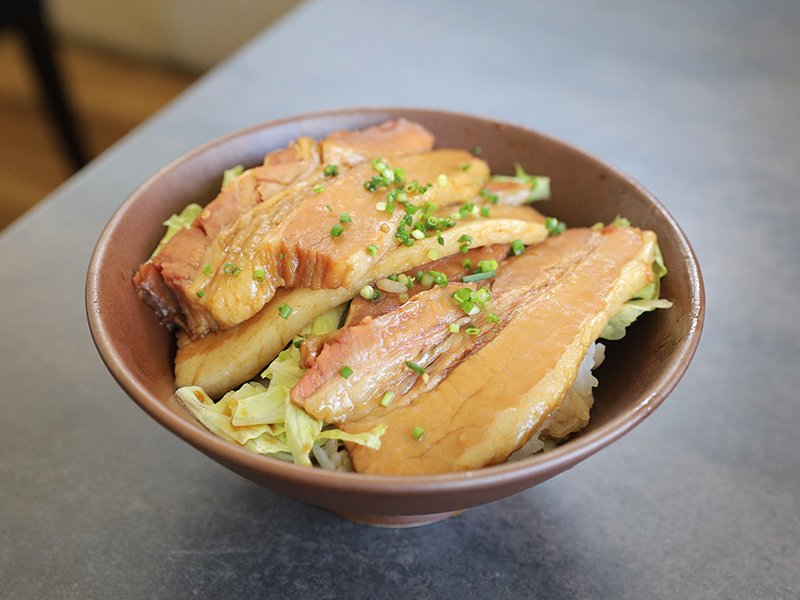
139, 352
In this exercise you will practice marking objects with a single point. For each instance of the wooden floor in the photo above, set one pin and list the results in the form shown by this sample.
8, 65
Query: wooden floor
111, 94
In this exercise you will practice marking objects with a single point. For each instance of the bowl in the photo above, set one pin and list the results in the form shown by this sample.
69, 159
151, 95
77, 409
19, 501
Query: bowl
657, 351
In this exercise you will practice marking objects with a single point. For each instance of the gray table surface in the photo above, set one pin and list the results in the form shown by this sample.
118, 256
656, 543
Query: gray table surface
701, 103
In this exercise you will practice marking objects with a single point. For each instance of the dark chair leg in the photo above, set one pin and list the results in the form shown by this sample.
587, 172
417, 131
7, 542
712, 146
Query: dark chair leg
40, 50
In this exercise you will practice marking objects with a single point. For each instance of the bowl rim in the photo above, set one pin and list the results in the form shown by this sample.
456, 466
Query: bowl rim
541, 466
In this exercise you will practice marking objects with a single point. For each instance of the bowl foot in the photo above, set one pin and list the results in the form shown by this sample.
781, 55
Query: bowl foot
396, 521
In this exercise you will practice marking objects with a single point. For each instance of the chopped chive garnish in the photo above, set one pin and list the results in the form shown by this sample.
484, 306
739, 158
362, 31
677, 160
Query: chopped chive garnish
466, 264
281, 256
433, 254
345, 218
554, 226
464, 166
330, 171
485, 266
440, 239
417, 432
472, 331
231, 269
517, 247
367, 292
318, 189
345, 371
477, 150
415, 367
492, 318
478, 276
297, 343
200, 294
284, 310
337, 230
372, 249
207, 269
442, 180
259, 275
454, 327
392, 277
387, 398
485, 211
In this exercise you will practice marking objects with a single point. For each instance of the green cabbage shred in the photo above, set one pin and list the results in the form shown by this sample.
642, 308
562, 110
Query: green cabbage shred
645, 300
177, 222
263, 419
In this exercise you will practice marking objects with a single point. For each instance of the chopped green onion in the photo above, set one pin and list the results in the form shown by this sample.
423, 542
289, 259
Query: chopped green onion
464, 166
372, 249
284, 310
433, 254
367, 292
442, 180
200, 294
485, 266
417, 234
427, 280
345, 218
478, 276
477, 150
259, 275
517, 247
231, 269
330, 171
318, 189
554, 226
472, 331
440, 240
337, 230
485, 211
439, 278
417, 432
454, 327
345, 371
466, 264
387, 398
281, 256
392, 277
415, 367
492, 318
297, 343
207, 269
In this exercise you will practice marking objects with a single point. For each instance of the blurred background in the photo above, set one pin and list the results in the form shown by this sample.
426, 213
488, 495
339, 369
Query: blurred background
76, 75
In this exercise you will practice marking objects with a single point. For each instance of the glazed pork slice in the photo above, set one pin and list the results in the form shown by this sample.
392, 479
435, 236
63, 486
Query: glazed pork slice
489, 404
301, 250
222, 360
164, 281
419, 331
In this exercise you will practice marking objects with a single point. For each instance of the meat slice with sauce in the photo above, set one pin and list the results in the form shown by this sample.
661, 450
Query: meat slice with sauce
301, 250
492, 401
165, 281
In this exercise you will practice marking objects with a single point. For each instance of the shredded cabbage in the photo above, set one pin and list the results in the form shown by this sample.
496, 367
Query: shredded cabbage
263, 419
540, 184
645, 300
177, 222
230, 174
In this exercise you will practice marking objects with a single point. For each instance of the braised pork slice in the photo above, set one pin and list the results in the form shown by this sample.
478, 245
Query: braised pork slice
222, 360
419, 331
492, 401
164, 281
322, 242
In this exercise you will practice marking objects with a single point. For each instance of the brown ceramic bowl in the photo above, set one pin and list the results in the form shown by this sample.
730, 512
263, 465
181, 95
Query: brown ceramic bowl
639, 372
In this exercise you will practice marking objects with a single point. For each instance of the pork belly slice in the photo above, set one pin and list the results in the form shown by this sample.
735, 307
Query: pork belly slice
164, 282
222, 360
301, 251
389, 139
490, 403
419, 331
